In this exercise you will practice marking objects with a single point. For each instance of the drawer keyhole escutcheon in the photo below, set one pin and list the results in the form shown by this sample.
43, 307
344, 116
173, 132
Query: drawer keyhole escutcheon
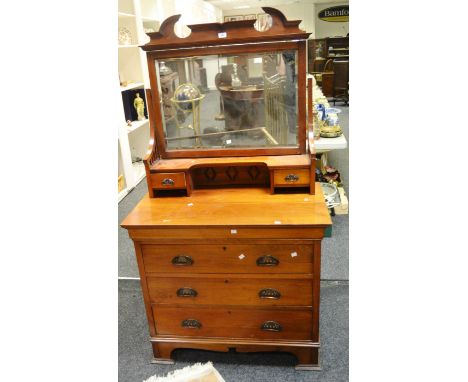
191, 324
186, 292
271, 326
168, 182
291, 178
269, 293
267, 261
182, 260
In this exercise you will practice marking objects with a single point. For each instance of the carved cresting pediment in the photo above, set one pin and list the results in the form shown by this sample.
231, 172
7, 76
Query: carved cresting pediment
231, 32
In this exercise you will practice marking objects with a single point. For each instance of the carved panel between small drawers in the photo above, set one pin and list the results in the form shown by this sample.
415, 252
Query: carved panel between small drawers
230, 175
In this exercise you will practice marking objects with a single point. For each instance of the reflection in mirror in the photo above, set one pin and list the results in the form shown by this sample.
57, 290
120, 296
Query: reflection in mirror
230, 101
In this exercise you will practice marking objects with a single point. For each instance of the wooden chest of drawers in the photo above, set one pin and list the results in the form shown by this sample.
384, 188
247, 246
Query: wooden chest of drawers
232, 268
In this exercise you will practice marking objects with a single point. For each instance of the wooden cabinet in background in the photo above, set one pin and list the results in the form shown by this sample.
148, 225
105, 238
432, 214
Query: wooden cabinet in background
320, 50
322, 53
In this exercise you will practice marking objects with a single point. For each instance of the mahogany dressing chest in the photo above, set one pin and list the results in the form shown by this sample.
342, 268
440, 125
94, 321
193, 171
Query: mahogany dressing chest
228, 238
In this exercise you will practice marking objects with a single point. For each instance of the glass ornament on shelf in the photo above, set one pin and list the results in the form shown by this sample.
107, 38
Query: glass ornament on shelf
235, 81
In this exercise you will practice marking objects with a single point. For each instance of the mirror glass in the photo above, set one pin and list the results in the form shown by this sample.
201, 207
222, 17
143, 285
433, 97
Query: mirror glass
229, 101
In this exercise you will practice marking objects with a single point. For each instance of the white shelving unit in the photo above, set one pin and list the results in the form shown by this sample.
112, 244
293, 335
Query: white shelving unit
132, 86
141, 17
136, 16
136, 125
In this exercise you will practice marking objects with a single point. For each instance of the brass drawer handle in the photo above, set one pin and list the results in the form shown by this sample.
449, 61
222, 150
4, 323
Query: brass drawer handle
167, 182
191, 324
271, 326
291, 178
186, 292
182, 260
269, 293
267, 261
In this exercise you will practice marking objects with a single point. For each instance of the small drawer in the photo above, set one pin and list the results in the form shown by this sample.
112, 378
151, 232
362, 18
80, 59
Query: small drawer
233, 323
230, 290
168, 180
228, 258
292, 177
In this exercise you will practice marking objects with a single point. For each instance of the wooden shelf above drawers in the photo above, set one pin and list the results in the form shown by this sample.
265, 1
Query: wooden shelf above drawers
273, 162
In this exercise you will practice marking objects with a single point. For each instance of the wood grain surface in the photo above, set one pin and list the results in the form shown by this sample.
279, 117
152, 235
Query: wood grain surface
231, 208
271, 161
233, 322
238, 291
228, 258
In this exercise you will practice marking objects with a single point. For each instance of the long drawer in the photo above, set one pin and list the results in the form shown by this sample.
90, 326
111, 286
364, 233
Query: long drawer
230, 290
233, 323
228, 258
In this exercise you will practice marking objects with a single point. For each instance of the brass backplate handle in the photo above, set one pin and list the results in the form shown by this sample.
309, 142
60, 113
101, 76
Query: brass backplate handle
186, 292
191, 324
168, 182
269, 293
271, 326
267, 261
291, 178
182, 260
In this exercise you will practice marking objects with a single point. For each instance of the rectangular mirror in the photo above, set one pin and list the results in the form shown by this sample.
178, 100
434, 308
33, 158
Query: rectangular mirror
229, 101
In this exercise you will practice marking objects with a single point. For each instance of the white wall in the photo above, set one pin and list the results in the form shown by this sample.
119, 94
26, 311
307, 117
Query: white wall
326, 28
192, 11
303, 10
197, 12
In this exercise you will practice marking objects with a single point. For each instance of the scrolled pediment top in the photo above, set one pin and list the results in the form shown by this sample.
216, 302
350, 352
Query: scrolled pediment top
237, 31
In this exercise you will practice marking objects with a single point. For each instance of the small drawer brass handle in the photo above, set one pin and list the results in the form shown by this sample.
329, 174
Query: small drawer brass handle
191, 324
168, 182
182, 260
271, 326
269, 293
291, 178
267, 261
186, 292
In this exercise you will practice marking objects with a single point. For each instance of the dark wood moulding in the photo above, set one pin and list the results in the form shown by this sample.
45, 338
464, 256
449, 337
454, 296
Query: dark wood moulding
236, 32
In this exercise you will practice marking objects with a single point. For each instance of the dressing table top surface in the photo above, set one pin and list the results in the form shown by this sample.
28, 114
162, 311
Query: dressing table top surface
231, 207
